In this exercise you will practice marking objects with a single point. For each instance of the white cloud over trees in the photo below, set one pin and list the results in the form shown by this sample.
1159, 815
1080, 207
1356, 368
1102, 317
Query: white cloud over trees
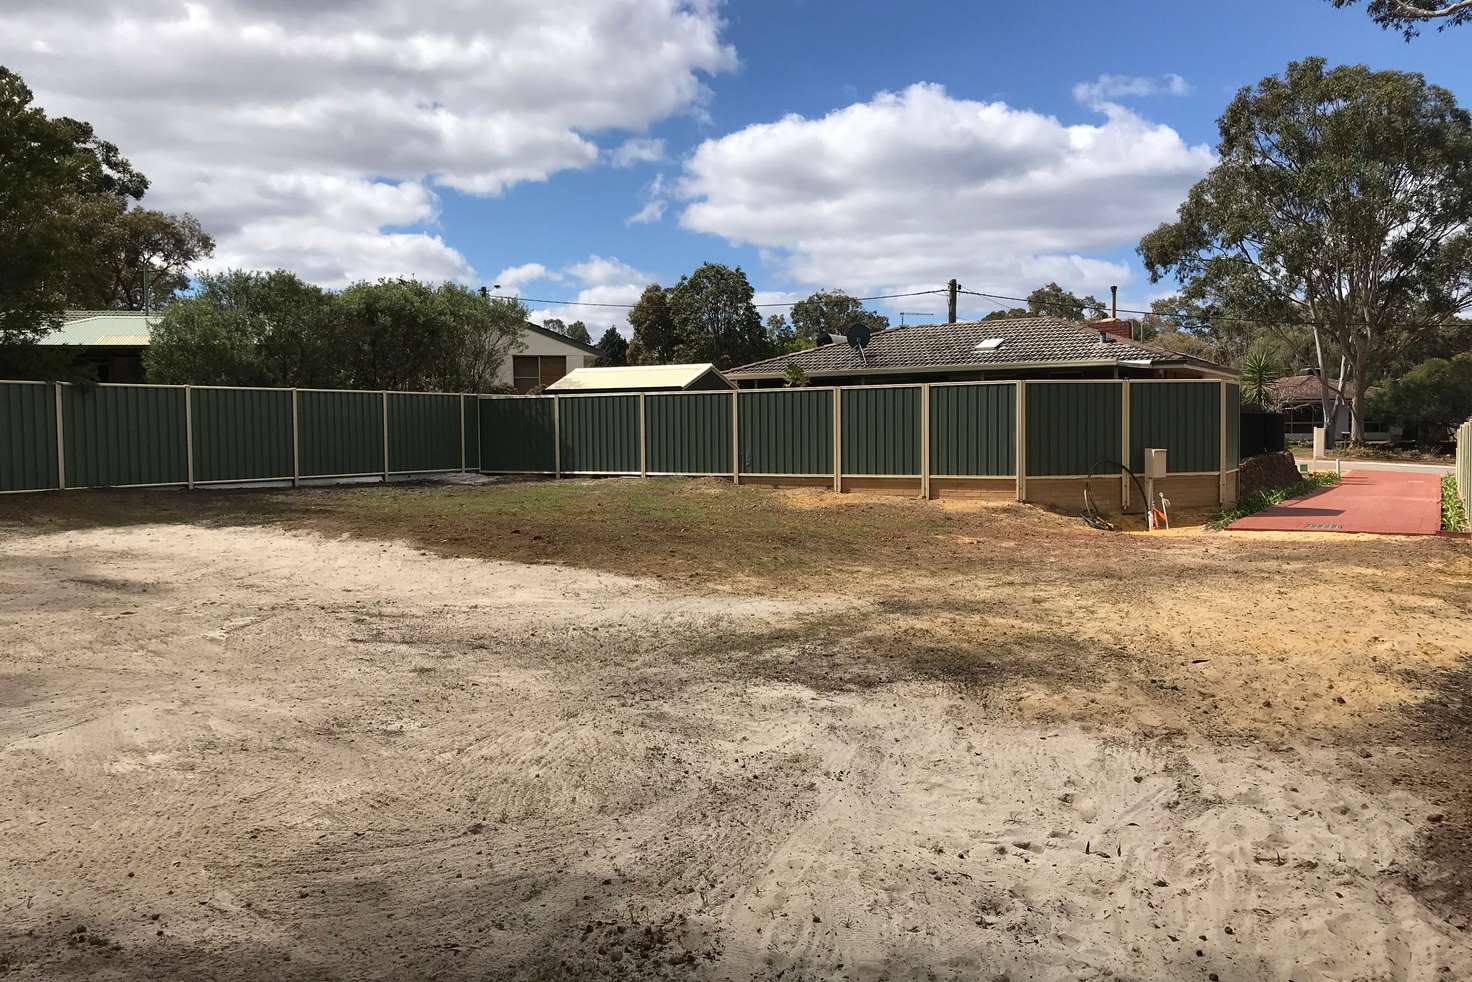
315, 135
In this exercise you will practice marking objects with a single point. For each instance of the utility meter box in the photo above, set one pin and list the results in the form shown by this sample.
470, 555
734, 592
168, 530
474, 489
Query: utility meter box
1154, 463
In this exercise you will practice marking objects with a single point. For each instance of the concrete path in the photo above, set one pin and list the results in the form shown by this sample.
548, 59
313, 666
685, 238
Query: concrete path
1386, 502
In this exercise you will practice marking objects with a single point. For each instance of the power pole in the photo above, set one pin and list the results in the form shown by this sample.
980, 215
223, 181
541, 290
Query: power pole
951, 289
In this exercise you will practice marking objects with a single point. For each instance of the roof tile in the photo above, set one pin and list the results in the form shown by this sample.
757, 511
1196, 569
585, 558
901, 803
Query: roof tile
1024, 340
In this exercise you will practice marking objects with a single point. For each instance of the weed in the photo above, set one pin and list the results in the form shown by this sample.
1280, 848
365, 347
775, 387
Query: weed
1453, 512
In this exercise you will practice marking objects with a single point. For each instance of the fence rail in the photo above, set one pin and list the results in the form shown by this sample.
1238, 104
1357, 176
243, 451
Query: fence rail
1032, 441
61, 436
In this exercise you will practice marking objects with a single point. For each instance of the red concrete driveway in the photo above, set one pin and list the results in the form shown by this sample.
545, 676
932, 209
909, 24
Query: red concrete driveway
1363, 501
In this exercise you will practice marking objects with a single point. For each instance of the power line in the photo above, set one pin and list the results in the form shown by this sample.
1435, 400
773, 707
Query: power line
1178, 315
630, 306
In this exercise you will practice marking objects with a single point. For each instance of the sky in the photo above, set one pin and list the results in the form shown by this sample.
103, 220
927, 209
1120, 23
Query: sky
581, 149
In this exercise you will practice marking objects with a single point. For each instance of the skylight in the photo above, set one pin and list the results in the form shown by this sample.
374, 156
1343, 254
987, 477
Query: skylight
990, 344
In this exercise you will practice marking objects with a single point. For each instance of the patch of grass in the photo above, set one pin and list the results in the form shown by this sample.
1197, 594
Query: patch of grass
1266, 499
1453, 512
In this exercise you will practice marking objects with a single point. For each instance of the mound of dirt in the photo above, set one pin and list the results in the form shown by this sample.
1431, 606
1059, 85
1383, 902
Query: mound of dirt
1266, 473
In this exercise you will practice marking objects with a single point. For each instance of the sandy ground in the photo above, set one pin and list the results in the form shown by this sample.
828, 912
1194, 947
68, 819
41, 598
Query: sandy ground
246, 753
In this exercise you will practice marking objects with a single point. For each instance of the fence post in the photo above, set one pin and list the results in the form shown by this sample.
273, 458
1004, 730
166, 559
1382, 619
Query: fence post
384, 393
296, 441
1021, 435
1124, 445
1221, 477
837, 438
735, 436
189, 435
925, 440
643, 441
60, 443
462, 432
556, 436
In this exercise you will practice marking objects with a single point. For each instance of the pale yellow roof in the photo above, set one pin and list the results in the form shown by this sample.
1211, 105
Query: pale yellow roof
98, 328
635, 378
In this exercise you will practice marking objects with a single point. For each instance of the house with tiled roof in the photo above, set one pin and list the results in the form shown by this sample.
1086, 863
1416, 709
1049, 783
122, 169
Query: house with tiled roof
1014, 348
1300, 398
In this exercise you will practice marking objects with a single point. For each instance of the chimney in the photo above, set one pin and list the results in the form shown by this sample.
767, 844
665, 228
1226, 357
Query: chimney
1123, 330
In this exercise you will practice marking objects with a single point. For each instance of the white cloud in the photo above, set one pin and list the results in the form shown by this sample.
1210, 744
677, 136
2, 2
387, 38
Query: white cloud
652, 212
314, 135
638, 151
1107, 88
602, 280
655, 203
513, 278
918, 186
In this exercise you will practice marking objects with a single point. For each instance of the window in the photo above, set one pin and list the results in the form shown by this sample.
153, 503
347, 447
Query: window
990, 344
530, 371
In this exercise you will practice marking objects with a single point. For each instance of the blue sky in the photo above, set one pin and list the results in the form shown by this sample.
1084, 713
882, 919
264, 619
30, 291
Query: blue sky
480, 140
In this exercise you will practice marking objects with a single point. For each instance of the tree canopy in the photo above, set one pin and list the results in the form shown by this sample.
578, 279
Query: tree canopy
654, 337
708, 316
1341, 201
613, 349
50, 171
68, 236
829, 312
1434, 397
715, 319
1409, 16
244, 328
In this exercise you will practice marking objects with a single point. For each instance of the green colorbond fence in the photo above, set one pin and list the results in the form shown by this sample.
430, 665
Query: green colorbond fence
241, 434
340, 433
973, 430
1234, 426
124, 435
1182, 418
600, 434
880, 431
470, 413
116, 435
517, 435
1071, 426
423, 433
688, 434
786, 431
27, 437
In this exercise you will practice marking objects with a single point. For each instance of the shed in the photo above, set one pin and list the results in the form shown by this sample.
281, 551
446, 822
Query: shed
113, 341
644, 378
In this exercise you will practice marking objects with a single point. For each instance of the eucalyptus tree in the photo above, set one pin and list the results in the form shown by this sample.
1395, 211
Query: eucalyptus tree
1341, 201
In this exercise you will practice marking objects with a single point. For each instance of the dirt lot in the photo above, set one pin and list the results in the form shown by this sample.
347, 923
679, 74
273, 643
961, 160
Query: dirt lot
680, 730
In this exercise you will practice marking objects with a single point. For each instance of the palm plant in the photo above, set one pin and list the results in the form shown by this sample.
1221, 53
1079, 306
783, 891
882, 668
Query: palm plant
1258, 373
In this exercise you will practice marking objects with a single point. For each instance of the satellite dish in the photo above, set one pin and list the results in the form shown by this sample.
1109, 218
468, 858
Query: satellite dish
858, 339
